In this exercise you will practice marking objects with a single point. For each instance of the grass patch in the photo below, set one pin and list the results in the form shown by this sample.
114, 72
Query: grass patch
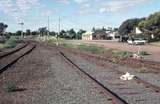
11, 43
66, 45
122, 54
143, 53
9, 87
92, 48
2, 45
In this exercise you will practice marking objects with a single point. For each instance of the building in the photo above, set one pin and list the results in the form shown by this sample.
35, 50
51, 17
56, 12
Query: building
113, 35
87, 36
100, 34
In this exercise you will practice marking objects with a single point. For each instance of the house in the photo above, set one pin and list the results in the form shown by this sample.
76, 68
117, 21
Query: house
87, 36
113, 35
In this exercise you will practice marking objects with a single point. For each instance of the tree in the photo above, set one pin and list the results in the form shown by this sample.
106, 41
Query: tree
2, 28
18, 33
43, 31
52, 33
128, 26
62, 34
72, 33
151, 25
34, 33
28, 32
79, 34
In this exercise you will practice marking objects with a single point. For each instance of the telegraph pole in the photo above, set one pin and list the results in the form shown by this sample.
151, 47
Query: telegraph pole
59, 28
48, 26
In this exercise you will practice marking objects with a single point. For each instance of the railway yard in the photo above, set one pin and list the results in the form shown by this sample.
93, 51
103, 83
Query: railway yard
41, 73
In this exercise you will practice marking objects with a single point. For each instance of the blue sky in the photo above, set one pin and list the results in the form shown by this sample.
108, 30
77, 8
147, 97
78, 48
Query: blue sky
76, 14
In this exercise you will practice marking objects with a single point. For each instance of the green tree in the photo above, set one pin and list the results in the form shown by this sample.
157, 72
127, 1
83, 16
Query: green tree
79, 34
72, 34
28, 32
128, 26
43, 31
2, 28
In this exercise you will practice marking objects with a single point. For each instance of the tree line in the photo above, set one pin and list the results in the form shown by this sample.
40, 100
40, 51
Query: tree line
150, 26
42, 31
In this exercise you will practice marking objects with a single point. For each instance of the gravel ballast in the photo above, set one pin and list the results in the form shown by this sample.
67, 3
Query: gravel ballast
131, 91
45, 78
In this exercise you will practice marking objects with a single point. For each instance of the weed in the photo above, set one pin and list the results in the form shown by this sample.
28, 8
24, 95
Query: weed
9, 87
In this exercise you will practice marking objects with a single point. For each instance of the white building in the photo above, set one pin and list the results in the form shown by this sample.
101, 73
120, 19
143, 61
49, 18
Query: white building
87, 36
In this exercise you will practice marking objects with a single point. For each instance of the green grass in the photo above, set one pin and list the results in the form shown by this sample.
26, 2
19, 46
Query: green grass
92, 48
2, 45
10, 43
122, 54
98, 50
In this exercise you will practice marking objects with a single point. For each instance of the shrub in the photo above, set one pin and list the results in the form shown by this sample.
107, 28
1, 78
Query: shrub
9, 87
11, 42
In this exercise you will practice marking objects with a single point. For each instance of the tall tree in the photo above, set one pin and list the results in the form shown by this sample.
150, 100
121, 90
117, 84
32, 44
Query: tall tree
43, 31
2, 28
72, 33
128, 26
79, 34
28, 32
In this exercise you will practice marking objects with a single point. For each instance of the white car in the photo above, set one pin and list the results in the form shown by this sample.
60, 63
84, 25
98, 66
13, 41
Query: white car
136, 41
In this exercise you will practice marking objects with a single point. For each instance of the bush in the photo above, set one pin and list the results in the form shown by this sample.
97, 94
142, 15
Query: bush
11, 42
9, 87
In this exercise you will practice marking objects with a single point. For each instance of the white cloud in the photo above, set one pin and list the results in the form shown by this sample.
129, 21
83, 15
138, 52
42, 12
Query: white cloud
117, 5
18, 9
81, 1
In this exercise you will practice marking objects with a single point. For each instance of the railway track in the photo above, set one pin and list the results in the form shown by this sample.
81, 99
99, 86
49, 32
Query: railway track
117, 99
106, 91
4, 54
9, 58
137, 79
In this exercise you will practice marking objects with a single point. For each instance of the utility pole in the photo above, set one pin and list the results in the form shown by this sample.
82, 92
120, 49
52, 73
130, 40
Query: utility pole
59, 28
48, 26
21, 28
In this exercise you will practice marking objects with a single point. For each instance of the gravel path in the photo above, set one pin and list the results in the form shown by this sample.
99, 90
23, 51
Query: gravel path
47, 79
132, 92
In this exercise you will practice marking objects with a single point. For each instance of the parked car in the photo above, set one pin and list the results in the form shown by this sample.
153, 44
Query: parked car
136, 41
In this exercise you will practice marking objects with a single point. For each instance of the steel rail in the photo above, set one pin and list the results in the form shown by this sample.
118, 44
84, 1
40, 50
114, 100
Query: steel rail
17, 58
115, 98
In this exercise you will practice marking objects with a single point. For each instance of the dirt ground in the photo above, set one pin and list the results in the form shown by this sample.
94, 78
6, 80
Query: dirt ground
152, 50
43, 77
